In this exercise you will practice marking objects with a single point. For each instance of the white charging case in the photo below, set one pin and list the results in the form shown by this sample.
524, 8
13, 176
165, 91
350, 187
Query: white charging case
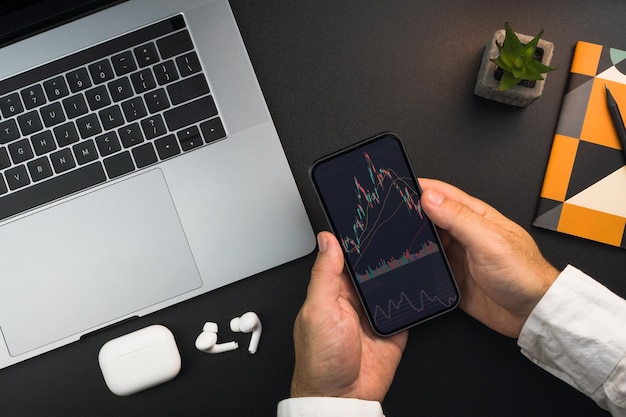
139, 360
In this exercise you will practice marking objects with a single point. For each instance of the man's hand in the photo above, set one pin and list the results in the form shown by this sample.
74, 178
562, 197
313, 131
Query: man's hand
499, 269
337, 354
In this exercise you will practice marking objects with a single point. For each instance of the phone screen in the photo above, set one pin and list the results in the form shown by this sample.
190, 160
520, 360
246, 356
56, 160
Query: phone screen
392, 250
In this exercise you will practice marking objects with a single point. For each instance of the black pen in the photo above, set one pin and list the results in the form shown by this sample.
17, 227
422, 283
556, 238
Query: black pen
618, 122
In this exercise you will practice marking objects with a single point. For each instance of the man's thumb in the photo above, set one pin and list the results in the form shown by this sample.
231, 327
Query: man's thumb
462, 222
328, 267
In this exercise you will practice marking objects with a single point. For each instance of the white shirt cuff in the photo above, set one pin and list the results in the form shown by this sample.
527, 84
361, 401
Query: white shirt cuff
576, 331
328, 407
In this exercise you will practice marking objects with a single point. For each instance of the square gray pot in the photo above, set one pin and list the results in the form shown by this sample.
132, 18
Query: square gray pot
487, 85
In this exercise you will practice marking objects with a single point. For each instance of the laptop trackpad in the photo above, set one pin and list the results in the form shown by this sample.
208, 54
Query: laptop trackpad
92, 260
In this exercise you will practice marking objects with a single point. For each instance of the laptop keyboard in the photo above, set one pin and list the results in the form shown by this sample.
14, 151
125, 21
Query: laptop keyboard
101, 113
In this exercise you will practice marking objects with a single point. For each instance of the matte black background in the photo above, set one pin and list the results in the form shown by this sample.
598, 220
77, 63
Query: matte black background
334, 72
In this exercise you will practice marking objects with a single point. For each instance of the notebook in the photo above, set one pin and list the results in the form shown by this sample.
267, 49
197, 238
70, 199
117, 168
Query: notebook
583, 192
139, 167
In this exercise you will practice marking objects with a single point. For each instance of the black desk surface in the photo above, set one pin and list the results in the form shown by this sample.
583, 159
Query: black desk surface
334, 72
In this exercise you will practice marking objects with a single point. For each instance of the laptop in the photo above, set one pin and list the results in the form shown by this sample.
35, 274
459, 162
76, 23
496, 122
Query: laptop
139, 167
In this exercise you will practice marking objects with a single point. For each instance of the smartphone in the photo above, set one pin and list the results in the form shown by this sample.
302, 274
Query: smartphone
391, 248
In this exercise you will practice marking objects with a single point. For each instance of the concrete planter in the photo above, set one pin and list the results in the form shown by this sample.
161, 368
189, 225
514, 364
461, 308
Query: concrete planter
487, 85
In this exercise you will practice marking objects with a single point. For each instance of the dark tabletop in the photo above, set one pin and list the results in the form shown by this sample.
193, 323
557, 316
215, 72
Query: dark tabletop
334, 72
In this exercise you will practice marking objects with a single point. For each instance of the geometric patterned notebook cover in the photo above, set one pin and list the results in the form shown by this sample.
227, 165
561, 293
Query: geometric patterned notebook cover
584, 189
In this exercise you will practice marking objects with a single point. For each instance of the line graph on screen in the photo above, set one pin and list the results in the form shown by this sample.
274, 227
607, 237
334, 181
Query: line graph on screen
385, 204
404, 306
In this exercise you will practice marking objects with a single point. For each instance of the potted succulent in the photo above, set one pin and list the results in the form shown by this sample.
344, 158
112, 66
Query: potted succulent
513, 67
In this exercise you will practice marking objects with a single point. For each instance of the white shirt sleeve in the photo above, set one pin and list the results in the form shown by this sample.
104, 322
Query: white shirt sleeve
577, 332
328, 407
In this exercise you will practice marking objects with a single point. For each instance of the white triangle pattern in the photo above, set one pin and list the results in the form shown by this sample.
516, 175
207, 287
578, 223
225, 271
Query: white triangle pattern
607, 195
612, 74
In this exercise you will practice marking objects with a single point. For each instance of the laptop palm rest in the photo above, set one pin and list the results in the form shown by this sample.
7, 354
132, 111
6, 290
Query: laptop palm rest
126, 250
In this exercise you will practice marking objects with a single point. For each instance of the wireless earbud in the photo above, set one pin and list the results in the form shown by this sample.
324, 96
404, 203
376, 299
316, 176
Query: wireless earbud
207, 340
248, 323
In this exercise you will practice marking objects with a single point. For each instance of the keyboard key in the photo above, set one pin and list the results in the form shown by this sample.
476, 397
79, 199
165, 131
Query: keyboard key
190, 113
156, 100
111, 117
33, 96
120, 89
43, 142
88, 126
188, 64
29, 123
134, 109
108, 144
144, 155
52, 114
188, 88
56, 88
212, 130
8, 131
11, 105
66, 134
62, 160
175, 44
5, 162
97, 98
101, 71
78, 80
119, 164
146, 55
3, 186
165, 72
167, 146
16, 178
85, 152
21, 151
130, 135
189, 138
52, 189
124, 63
153, 127
191, 143
39, 169
143, 81
75, 106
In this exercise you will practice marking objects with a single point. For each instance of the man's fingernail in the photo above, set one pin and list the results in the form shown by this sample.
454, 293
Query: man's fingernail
435, 198
322, 243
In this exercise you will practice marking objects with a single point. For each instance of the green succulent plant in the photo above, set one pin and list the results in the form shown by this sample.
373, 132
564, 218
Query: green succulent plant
517, 60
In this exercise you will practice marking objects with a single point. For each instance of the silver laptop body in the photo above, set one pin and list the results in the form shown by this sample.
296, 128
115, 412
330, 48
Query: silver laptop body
148, 238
